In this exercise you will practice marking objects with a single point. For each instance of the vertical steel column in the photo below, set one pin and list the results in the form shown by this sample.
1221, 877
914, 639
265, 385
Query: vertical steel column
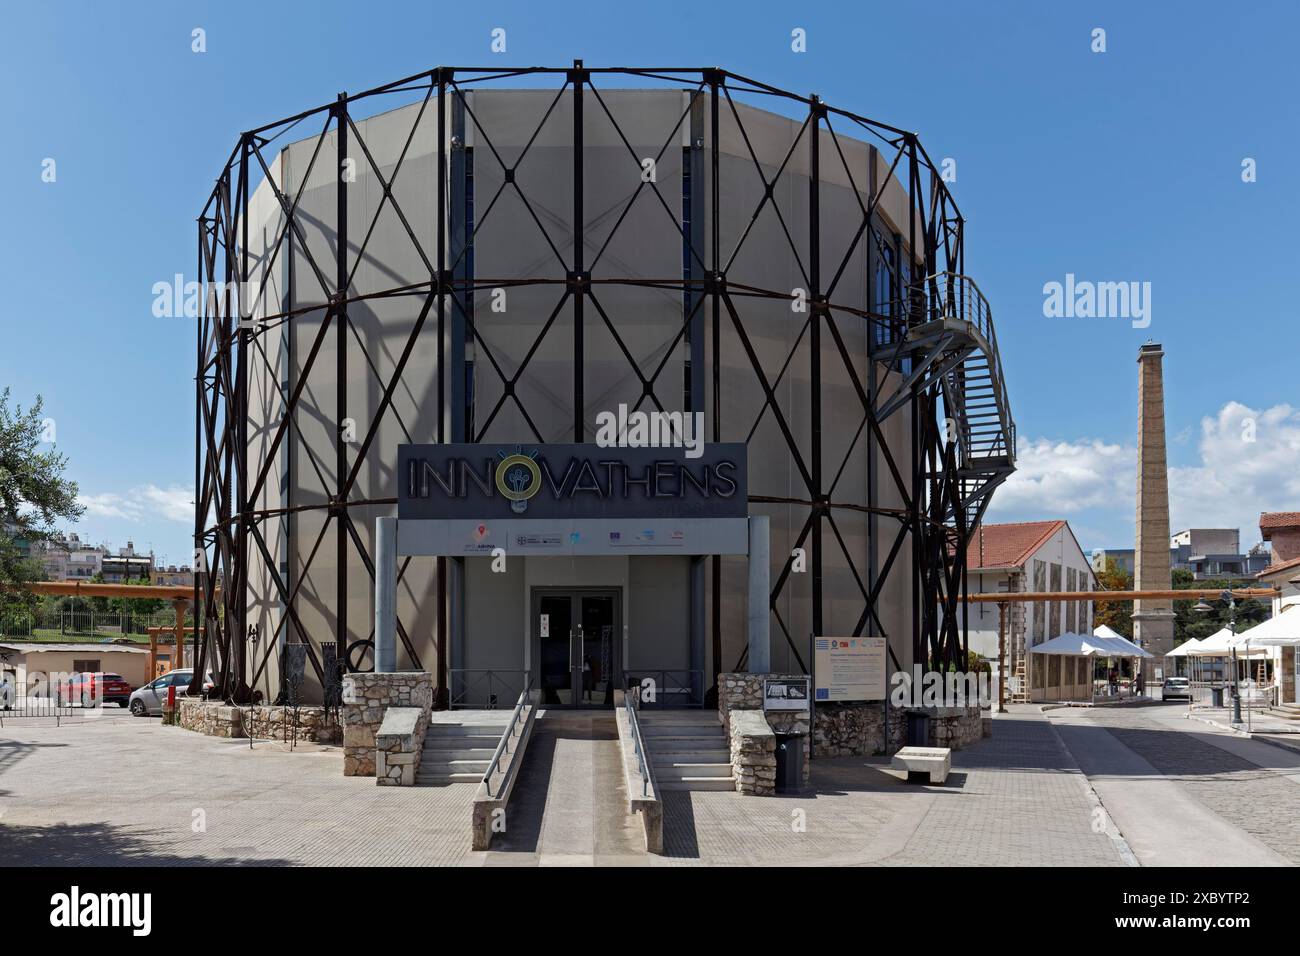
225, 387
459, 254
576, 278
341, 373
440, 214
815, 111
199, 558
385, 594
241, 452
759, 596
919, 542
714, 78
873, 293
693, 241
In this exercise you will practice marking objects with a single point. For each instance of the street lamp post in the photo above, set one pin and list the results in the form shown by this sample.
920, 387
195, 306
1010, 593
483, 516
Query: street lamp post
1232, 631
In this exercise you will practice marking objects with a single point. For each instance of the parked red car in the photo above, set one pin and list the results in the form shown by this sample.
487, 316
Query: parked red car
95, 689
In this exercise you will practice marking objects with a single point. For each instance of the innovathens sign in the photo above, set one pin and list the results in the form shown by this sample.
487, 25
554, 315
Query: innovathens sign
576, 481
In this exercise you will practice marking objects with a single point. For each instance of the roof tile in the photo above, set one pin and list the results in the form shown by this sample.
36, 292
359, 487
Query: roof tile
1008, 545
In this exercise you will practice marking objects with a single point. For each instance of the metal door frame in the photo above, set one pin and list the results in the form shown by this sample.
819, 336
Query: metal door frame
575, 593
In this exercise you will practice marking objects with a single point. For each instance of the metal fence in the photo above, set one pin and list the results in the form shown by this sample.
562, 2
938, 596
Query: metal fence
665, 689
34, 700
486, 688
44, 624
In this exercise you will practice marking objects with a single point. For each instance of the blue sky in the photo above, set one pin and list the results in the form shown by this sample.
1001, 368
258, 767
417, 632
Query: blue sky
1115, 166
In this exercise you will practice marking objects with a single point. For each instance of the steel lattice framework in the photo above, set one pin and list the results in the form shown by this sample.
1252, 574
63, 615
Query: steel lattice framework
931, 327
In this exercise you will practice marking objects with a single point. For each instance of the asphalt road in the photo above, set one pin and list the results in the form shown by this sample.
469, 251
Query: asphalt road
1183, 793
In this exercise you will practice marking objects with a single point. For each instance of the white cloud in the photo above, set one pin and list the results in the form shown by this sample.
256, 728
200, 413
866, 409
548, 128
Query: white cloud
141, 502
108, 505
175, 503
1058, 478
1249, 463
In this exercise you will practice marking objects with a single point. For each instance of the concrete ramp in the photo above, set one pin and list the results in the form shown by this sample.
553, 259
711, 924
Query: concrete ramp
570, 802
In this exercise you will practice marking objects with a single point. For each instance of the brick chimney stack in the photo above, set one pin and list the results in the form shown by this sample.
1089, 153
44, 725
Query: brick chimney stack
1153, 621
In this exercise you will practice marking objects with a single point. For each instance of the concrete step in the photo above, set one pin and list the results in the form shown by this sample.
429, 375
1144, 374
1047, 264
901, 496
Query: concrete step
665, 715
463, 741
699, 783
687, 739
466, 730
455, 766
695, 755
457, 753
679, 771
425, 777
681, 730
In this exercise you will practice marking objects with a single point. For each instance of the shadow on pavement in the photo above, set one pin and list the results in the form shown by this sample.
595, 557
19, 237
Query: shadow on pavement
98, 844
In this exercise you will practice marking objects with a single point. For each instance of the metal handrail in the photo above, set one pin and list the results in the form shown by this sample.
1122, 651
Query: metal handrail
495, 763
951, 295
634, 726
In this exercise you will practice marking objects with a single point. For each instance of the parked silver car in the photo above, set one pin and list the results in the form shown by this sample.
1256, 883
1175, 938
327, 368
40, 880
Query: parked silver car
1176, 687
149, 699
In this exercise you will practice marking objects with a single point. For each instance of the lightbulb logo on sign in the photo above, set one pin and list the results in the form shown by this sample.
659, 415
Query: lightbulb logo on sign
518, 478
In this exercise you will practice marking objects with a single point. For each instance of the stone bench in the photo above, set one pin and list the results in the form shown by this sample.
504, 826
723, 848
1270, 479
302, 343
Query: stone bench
924, 763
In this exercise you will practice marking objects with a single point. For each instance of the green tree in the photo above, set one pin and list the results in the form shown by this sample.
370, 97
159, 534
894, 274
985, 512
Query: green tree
1190, 624
140, 607
33, 495
1117, 615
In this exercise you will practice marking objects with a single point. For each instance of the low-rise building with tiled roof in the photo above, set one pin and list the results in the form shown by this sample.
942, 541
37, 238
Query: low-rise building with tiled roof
1029, 556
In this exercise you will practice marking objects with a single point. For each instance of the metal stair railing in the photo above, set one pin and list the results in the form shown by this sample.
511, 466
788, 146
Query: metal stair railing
495, 764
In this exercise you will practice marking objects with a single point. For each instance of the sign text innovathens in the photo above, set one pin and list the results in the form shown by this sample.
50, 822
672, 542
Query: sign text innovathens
570, 481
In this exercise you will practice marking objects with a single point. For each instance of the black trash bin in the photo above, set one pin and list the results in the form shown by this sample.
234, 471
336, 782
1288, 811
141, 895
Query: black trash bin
1216, 696
918, 730
789, 763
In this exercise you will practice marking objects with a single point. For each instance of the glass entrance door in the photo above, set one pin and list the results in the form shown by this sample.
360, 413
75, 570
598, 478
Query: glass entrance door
576, 641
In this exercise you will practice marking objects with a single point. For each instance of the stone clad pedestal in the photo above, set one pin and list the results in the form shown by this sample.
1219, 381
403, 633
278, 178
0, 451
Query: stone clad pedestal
366, 698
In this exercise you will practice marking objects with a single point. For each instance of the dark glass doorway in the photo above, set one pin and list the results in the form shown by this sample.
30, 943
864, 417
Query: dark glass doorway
577, 639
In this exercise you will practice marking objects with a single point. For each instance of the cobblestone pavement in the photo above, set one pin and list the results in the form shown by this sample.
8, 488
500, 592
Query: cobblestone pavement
126, 791
1251, 785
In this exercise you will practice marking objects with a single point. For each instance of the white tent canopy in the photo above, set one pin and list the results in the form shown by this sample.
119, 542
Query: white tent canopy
1112, 635
1090, 645
1222, 644
1186, 648
1279, 630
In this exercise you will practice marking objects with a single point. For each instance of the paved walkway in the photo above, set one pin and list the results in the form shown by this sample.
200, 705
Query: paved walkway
128, 791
